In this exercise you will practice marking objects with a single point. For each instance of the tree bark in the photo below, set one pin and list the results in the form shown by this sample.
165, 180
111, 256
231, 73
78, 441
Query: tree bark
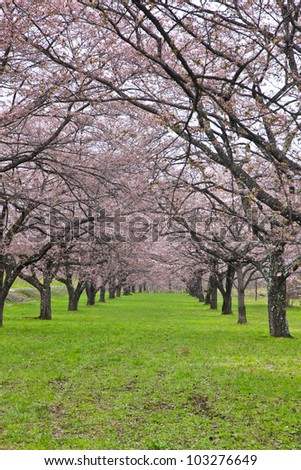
118, 290
112, 287
126, 290
112, 292
242, 314
72, 301
45, 301
200, 290
44, 289
227, 304
102, 296
227, 291
213, 292
277, 295
208, 294
277, 308
91, 293
2, 301
74, 295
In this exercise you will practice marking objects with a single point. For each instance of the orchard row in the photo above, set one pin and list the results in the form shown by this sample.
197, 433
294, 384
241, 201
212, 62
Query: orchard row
163, 138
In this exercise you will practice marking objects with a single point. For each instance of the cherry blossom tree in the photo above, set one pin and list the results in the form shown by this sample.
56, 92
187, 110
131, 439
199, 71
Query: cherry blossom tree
229, 95
220, 81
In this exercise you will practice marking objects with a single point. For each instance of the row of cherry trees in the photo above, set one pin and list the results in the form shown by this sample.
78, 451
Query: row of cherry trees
185, 112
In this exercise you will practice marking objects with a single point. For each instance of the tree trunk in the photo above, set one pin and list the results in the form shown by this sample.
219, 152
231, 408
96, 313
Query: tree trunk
208, 295
200, 290
44, 289
133, 289
72, 302
213, 291
118, 291
242, 314
126, 290
74, 294
277, 295
112, 287
91, 293
227, 292
140, 288
112, 292
2, 301
45, 302
277, 308
227, 304
102, 296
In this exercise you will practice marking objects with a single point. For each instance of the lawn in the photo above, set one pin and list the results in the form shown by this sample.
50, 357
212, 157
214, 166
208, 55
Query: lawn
148, 371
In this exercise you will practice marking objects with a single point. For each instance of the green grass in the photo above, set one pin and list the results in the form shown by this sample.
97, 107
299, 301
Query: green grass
148, 371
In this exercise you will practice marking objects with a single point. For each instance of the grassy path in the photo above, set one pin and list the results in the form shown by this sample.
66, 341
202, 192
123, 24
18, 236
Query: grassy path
150, 371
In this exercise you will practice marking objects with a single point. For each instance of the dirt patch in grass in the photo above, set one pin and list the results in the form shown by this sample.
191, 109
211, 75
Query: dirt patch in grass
200, 404
202, 407
160, 406
56, 410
